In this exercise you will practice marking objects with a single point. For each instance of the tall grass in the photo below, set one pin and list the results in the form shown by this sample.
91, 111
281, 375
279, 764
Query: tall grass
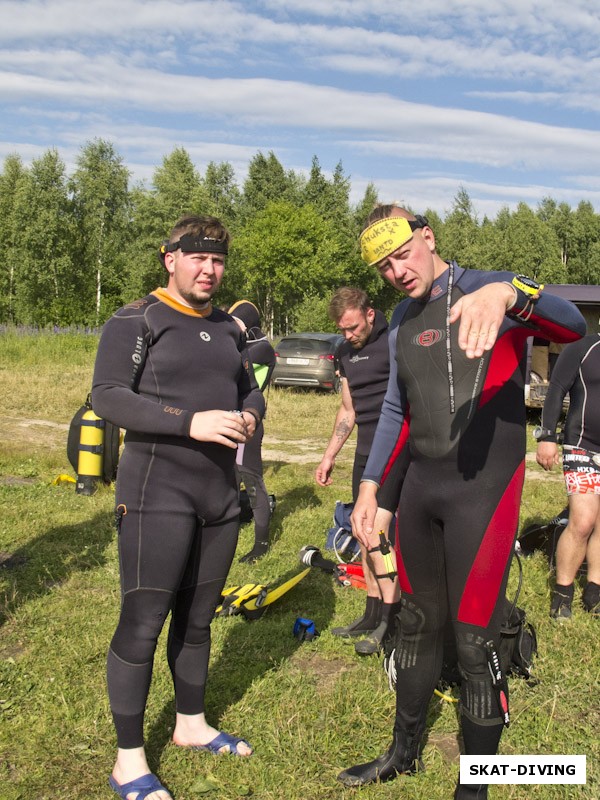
309, 709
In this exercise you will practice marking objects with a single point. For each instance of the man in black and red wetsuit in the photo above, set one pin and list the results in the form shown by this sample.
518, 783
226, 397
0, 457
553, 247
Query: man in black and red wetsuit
457, 354
576, 373
174, 372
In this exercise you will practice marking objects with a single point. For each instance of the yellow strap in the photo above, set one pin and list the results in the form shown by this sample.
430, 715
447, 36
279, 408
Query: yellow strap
383, 237
445, 697
239, 595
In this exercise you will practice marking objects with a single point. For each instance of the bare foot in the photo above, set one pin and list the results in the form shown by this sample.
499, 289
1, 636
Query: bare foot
131, 765
158, 795
194, 731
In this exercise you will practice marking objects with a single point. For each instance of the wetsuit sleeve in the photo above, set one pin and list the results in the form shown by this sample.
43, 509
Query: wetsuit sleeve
550, 317
121, 356
251, 397
390, 436
263, 358
562, 379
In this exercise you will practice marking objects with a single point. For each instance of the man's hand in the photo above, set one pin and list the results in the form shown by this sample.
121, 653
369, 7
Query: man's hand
380, 523
221, 427
251, 423
547, 455
363, 516
324, 470
481, 314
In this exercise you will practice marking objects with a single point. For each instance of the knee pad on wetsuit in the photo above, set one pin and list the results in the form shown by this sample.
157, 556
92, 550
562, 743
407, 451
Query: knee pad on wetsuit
143, 615
479, 697
410, 633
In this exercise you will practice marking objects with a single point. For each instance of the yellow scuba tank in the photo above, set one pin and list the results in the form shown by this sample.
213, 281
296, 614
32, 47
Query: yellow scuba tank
90, 453
92, 449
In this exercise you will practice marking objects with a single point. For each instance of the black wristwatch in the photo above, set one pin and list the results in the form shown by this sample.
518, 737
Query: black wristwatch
542, 433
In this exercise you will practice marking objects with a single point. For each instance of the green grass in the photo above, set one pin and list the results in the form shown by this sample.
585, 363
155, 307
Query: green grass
309, 709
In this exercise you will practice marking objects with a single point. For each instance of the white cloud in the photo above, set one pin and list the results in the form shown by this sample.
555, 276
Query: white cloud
436, 39
378, 86
419, 130
589, 102
422, 192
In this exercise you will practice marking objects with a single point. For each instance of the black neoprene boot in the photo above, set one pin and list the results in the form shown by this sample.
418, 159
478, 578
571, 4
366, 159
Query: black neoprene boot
473, 791
363, 625
402, 758
591, 598
374, 641
562, 598
479, 739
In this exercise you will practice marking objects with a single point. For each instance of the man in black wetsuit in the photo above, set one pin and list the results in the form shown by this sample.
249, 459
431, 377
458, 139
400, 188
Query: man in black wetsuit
249, 458
457, 353
576, 373
174, 372
364, 365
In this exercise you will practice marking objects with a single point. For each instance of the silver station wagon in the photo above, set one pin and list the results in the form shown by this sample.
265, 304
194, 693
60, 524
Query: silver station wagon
307, 359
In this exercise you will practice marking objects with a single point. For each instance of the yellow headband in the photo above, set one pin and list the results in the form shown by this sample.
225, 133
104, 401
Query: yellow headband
383, 237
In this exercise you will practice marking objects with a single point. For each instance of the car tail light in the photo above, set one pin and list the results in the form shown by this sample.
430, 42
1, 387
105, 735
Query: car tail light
328, 356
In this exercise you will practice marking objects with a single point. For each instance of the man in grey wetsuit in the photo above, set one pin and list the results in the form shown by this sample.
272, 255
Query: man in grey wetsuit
174, 372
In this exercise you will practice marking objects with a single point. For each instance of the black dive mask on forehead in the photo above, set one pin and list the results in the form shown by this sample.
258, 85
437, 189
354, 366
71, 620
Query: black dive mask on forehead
192, 243
419, 222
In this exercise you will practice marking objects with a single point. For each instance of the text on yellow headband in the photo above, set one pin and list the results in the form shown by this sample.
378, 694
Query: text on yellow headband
383, 237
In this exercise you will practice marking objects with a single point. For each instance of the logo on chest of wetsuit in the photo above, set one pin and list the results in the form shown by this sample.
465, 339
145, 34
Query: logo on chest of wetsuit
204, 336
427, 338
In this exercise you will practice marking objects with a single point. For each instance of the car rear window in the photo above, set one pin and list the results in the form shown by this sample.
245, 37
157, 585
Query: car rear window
304, 345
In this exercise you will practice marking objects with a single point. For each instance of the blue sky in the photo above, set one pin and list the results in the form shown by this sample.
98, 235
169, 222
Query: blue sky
419, 98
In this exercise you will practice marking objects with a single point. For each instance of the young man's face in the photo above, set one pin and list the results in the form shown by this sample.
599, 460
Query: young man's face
194, 277
411, 268
356, 326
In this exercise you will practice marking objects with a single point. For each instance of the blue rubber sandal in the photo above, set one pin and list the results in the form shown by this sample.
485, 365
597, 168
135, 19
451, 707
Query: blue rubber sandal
222, 740
143, 786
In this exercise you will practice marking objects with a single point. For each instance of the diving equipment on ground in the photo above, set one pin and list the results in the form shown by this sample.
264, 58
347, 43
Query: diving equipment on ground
544, 537
305, 630
252, 599
340, 538
351, 574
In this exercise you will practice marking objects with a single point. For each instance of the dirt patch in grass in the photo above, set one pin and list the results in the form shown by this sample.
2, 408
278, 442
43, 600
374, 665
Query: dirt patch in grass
326, 670
33, 432
11, 652
44, 433
14, 480
447, 743
10, 561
